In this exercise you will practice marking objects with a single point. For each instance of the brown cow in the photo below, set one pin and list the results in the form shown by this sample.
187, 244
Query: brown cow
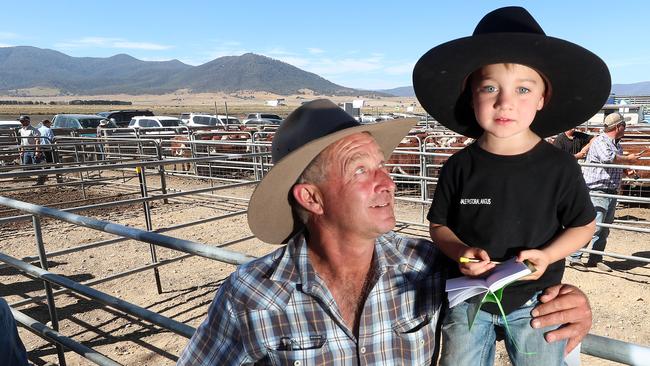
181, 149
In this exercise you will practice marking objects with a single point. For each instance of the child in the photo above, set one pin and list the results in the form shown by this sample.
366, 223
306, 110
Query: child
510, 193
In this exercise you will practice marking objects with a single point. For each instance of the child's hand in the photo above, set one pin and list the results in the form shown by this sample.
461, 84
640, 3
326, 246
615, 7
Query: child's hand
537, 258
478, 268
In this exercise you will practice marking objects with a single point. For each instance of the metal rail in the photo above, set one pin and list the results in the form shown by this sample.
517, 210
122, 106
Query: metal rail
112, 301
55, 337
169, 242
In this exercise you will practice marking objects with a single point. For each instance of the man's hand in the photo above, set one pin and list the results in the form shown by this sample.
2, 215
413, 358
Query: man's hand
567, 306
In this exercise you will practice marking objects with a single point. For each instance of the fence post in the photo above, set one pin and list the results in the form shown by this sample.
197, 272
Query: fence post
147, 217
48, 288
161, 172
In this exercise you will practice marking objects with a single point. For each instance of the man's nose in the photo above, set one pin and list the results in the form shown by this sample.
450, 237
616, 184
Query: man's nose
384, 180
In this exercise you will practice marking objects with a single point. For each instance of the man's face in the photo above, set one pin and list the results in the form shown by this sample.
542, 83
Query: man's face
506, 97
357, 194
24, 122
620, 130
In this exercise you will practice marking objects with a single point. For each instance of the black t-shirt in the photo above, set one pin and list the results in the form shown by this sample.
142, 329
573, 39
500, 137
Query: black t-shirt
572, 146
505, 204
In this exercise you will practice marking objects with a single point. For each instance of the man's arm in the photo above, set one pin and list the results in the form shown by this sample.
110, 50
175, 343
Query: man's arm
625, 159
218, 340
568, 307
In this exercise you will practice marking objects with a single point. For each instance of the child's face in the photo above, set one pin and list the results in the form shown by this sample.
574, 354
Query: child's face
506, 97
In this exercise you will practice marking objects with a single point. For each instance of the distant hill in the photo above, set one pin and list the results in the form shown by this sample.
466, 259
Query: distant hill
642, 88
254, 72
403, 91
28, 67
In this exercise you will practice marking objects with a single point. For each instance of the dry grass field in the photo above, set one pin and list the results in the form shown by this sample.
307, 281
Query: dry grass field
238, 104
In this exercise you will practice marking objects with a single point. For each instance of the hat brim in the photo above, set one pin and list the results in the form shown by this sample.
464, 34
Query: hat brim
580, 80
270, 216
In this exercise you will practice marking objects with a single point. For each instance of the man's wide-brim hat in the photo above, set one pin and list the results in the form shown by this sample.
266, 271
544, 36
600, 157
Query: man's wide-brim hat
579, 80
304, 134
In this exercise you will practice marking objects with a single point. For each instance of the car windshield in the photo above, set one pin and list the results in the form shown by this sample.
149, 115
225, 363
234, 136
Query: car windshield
170, 122
103, 114
232, 121
270, 116
89, 122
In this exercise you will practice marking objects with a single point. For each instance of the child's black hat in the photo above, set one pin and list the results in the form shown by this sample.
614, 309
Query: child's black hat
579, 80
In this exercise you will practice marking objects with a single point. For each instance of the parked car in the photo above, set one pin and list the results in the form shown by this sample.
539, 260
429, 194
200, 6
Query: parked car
203, 120
8, 125
77, 121
122, 118
262, 119
154, 121
185, 118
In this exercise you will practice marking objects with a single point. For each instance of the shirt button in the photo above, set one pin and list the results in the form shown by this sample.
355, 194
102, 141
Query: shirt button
363, 350
297, 363
422, 341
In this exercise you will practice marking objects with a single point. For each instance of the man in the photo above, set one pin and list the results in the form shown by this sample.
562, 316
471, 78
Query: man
345, 289
101, 133
29, 145
574, 142
47, 138
605, 149
29, 141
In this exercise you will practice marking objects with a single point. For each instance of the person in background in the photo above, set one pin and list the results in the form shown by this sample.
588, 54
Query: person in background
30, 152
574, 142
12, 350
101, 133
604, 149
47, 138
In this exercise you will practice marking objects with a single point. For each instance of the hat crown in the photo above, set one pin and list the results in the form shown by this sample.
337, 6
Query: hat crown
308, 122
614, 118
511, 19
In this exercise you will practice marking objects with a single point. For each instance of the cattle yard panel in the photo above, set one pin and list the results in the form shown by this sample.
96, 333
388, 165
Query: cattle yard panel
255, 161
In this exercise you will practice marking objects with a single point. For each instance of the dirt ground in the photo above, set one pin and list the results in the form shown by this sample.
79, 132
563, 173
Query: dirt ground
619, 299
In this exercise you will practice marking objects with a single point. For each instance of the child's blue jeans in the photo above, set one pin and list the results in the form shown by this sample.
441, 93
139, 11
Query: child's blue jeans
460, 346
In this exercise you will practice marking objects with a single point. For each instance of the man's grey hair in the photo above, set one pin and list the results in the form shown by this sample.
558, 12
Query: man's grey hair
314, 173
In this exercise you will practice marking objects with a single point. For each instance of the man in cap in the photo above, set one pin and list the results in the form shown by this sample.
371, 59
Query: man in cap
605, 149
30, 152
47, 138
101, 133
345, 289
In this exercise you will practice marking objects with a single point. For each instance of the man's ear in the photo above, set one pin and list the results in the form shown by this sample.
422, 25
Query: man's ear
308, 196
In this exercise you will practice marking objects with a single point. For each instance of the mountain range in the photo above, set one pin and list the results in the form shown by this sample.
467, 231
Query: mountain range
25, 67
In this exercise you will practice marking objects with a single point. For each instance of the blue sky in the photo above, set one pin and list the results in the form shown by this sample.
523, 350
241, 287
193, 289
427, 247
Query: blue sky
360, 44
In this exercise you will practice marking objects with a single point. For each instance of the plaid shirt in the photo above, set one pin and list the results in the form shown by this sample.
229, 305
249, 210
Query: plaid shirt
277, 311
603, 150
